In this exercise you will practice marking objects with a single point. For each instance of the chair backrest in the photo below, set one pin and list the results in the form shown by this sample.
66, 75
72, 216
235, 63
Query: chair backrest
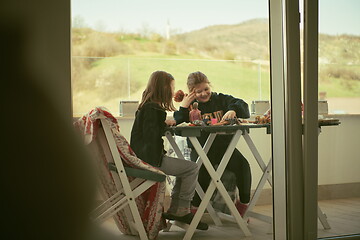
124, 186
105, 149
116, 176
105, 145
108, 183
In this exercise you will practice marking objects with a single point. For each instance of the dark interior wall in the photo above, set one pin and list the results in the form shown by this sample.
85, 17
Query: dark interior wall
46, 177
45, 45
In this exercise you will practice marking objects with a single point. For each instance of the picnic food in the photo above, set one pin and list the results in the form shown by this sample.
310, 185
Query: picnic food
262, 119
178, 96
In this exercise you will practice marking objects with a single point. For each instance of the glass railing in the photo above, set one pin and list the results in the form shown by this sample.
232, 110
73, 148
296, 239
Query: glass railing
107, 81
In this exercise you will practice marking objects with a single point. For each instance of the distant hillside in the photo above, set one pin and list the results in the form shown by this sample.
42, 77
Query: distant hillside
247, 40
340, 49
97, 80
250, 40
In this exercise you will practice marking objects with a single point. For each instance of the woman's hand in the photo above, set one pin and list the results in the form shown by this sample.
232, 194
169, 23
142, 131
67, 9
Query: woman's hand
188, 99
229, 115
170, 122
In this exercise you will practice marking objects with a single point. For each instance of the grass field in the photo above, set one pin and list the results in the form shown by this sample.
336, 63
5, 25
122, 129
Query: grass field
109, 67
124, 78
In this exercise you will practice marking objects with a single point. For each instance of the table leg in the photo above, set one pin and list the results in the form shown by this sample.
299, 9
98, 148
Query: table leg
256, 196
257, 155
266, 169
216, 183
266, 176
173, 144
198, 188
322, 217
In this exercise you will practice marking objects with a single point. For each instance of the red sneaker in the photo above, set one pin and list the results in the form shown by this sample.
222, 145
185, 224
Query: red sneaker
241, 207
193, 209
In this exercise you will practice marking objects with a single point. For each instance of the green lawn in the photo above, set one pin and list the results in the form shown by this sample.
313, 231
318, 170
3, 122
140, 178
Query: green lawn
237, 78
109, 78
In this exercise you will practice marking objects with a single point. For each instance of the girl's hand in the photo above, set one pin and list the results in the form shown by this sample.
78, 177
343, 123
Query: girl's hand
188, 99
170, 122
229, 115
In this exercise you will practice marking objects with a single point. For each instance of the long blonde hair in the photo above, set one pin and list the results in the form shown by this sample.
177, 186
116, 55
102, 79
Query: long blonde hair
159, 90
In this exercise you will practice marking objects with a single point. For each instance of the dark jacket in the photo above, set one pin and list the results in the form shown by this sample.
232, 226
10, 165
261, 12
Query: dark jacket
217, 102
146, 134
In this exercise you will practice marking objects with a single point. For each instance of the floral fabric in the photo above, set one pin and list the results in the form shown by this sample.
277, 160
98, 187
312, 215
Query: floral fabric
151, 202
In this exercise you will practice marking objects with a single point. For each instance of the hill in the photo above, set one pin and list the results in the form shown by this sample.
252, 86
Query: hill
107, 67
245, 41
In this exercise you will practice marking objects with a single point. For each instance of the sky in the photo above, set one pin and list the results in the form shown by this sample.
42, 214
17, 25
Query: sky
335, 16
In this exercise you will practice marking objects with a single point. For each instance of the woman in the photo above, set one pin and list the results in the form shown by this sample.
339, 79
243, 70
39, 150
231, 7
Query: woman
215, 104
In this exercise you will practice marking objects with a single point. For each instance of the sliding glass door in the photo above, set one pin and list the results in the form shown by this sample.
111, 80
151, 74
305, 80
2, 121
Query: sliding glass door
286, 120
300, 211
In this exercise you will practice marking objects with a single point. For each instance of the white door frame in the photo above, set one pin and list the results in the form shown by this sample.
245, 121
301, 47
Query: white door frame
310, 40
288, 187
294, 149
278, 118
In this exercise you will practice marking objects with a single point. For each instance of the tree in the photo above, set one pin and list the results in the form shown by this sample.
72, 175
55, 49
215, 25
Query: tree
79, 22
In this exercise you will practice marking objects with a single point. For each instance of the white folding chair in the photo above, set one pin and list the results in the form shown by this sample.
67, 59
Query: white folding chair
122, 199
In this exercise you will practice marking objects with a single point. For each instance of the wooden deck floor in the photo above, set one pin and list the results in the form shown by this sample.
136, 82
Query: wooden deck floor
343, 216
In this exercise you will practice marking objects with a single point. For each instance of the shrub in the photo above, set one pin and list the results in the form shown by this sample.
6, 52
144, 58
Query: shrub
341, 72
170, 48
228, 55
102, 45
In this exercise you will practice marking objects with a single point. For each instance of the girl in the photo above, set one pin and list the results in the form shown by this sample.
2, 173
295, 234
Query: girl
215, 103
147, 143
